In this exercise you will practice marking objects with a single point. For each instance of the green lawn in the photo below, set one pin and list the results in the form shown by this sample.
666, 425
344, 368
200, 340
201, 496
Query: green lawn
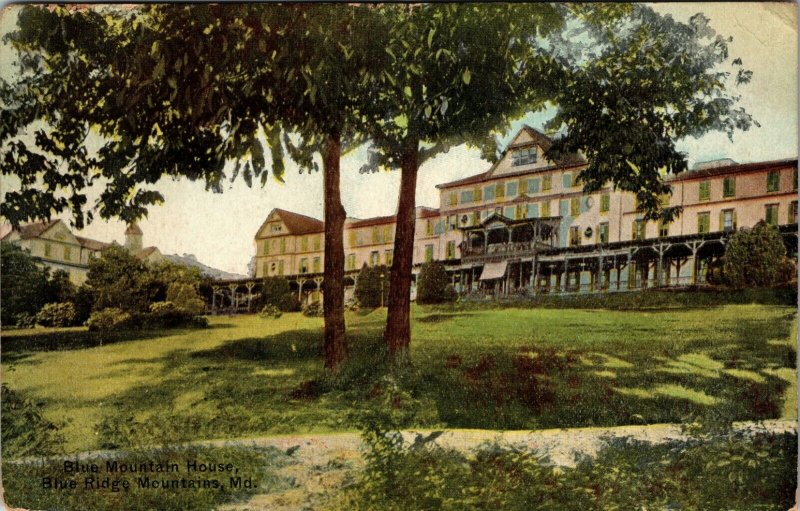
497, 369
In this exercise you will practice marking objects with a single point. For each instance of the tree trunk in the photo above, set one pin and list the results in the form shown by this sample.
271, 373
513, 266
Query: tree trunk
333, 286
398, 321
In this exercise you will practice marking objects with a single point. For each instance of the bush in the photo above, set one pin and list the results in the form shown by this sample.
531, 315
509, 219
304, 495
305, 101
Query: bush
371, 281
754, 257
186, 297
83, 302
25, 320
57, 315
110, 318
313, 310
270, 312
24, 429
167, 315
276, 292
432, 284
25, 285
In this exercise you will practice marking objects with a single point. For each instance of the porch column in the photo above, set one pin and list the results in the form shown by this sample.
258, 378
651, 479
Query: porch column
566, 275
214, 291
300, 283
249, 287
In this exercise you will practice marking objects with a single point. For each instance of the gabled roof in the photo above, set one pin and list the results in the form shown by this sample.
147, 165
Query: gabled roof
378, 220
295, 222
425, 212
92, 244
33, 230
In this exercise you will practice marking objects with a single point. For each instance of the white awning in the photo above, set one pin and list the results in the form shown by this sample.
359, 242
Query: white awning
494, 270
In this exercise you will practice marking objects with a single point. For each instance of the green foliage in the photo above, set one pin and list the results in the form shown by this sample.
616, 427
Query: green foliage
276, 292
25, 285
433, 284
372, 280
185, 296
57, 315
733, 471
83, 301
313, 310
118, 280
270, 312
25, 430
754, 257
60, 288
108, 319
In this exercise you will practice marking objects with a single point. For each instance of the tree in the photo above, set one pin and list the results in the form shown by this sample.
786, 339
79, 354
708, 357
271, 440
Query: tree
433, 284
372, 282
453, 75
25, 285
178, 91
277, 293
118, 279
754, 257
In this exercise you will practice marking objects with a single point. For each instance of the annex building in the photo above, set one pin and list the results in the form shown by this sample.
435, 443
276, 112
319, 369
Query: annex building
525, 226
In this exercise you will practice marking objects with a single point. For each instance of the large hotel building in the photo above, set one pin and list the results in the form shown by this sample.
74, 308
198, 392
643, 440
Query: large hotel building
525, 226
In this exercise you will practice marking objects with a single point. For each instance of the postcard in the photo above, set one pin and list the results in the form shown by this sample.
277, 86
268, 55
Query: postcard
308, 256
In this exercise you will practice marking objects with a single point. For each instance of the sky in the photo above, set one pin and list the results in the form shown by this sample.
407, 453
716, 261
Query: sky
219, 228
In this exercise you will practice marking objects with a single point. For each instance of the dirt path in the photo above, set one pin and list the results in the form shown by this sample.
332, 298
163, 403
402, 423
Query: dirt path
325, 462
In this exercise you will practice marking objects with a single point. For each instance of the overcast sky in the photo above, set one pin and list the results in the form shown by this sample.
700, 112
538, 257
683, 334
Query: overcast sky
219, 228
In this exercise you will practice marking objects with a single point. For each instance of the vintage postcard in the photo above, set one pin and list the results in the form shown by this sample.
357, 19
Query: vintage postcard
345, 256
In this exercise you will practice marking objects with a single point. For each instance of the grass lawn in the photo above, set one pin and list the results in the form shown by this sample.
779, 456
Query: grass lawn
495, 369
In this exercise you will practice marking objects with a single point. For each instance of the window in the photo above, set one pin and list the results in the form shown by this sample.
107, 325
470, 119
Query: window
771, 215
703, 222
663, 200
523, 156
729, 187
452, 222
663, 229
605, 203
477, 194
428, 253
388, 257
511, 189
563, 207
428, 228
509, 212
727, 220
438, 228
275, 228
316, 265
602, 233
265, 268
265, 248
533, 186
568, 180
639, 228
304, 244
774, 181
705, 190
476, 218
317, 242
546, 208
303, 265
376, 235
793, 212
574, 236
280, 267
283, 245
453, 199
575, 206
387, 233
373, 258
532, 211
48, 250
499, 191
351, 262
451, 249
351, 238
547, 183
67, 254
467, 196
488, 193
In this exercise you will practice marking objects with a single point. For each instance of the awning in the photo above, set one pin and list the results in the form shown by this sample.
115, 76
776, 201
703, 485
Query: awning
494, 270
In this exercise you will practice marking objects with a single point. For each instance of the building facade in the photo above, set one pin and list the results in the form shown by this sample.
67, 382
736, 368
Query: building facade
526, 226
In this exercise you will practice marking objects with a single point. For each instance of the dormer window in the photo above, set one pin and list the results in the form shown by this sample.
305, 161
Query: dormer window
523, 156
275, 228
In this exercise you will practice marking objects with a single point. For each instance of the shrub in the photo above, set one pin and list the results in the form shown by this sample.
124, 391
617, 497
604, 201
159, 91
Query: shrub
276, 291
25, 320
432, 284
370, 284
754, 257
167, 315
25, 431
83, 302
110, 318
270, 312
186, 297
57, 315
313, 310
25, 284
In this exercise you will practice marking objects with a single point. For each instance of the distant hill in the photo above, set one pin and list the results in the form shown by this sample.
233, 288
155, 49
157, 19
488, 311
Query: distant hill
191, 260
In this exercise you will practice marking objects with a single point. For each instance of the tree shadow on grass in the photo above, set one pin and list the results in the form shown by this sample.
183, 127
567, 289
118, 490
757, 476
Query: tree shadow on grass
59, 340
